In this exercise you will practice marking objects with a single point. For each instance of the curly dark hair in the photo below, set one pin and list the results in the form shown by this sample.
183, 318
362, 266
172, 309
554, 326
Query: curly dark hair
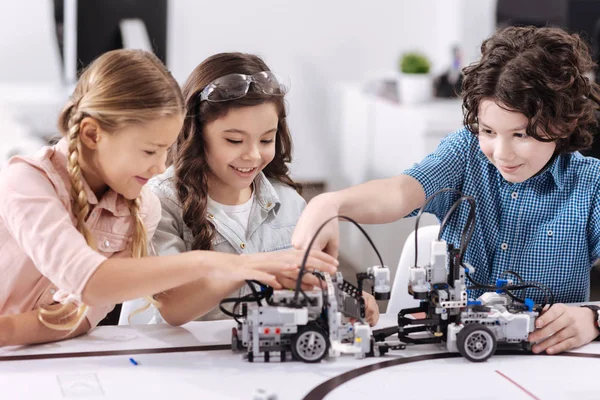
541, 73
188, 154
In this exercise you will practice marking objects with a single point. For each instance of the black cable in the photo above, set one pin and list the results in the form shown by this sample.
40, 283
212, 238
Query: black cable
251, 297
469, 227
265, 294
305, 296
548, 300
254, 292
465, 238
520, 298
520, 279
511, 272
303, 266
456, 204
418, 217
508, 289
232, 314
548, 295
255, 296
324, 292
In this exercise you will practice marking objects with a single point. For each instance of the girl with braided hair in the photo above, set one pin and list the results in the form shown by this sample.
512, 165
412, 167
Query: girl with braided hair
75, 220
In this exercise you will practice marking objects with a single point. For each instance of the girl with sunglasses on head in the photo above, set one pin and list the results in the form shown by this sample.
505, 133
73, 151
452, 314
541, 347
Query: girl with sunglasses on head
228, 188
76, 218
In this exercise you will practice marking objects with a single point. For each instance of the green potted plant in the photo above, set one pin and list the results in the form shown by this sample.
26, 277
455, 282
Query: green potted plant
415, 85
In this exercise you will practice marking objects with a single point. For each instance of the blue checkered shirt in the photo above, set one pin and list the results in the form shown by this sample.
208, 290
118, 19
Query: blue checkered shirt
547, 228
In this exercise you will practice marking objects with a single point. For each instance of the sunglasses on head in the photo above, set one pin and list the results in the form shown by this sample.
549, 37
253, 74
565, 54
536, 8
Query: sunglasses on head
235, 86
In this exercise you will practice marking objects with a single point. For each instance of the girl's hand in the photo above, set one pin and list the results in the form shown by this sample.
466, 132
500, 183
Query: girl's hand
288, 279
26, 328
280, 269
561, 328
317, 260
318, 210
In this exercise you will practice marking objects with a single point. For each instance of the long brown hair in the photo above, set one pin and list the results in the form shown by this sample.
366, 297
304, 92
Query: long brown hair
120, 87
188, 154
541, 73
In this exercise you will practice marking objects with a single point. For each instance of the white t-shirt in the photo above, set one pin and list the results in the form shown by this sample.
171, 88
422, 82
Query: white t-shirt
240, 213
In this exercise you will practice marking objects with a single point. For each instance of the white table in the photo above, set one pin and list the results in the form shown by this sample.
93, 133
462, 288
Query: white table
194, 361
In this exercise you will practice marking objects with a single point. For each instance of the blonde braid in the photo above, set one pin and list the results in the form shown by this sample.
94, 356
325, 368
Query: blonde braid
139, 245
139, 248
80, 204
81, 209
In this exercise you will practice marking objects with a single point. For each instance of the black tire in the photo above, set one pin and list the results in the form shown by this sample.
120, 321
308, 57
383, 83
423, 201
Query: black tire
310, 344
526, 346
476, 342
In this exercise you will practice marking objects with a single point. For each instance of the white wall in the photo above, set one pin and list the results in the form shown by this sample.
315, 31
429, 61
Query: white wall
28, 46
317, 43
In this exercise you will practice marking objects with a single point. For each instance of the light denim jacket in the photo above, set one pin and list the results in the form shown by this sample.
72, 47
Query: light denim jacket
273, 217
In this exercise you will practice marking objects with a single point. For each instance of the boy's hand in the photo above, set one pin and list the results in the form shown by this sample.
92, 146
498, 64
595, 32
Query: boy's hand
561, 328
371, 309
318, 210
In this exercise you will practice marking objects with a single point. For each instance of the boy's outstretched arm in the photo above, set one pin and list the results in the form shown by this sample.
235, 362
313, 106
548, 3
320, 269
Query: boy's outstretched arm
375, 202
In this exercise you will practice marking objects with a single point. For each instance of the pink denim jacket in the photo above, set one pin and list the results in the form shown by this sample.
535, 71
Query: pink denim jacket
43, 257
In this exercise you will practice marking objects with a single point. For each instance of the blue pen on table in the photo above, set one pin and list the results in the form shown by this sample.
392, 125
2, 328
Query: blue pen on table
133, 361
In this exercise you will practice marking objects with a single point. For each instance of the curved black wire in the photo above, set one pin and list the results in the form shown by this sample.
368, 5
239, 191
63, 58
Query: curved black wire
468, 229
324, 292
312, 241
456, 204
520, 280
251, 297
548, 295
254, 292
418, 217
467, 233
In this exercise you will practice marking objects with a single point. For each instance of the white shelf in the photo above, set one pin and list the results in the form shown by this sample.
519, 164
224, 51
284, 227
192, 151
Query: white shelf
36, 106
380, 138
